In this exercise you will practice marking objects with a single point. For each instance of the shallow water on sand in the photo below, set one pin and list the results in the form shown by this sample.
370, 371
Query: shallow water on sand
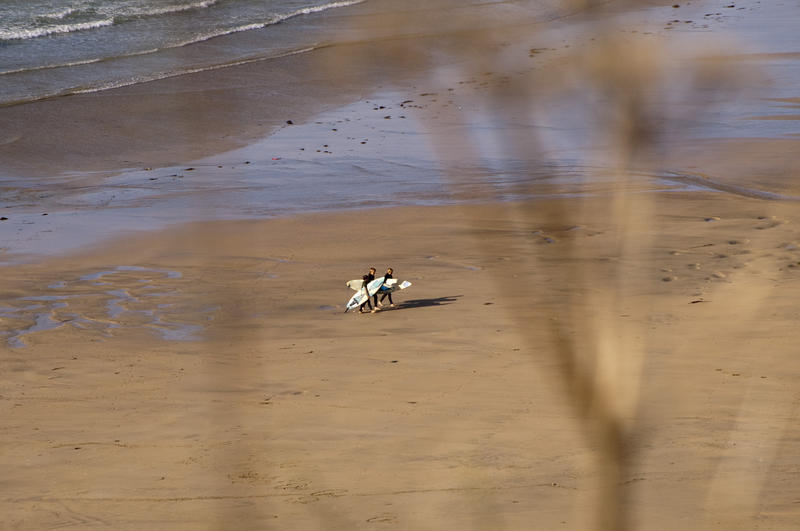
106, 302
351, 158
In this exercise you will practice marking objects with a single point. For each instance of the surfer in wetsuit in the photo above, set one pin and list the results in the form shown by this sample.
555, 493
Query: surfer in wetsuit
387, 276
366, 281
371, 276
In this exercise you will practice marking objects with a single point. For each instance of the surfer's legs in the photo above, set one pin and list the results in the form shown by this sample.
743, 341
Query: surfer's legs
365, 303
390, 298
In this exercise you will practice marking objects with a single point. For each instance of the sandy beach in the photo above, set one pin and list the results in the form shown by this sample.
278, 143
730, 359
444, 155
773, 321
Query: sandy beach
449, 409
600, 333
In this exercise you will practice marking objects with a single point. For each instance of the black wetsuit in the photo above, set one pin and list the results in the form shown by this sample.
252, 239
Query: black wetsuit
383, 296
375, 297
367, 279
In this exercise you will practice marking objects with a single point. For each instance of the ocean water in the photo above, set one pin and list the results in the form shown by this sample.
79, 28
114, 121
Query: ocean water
58, 47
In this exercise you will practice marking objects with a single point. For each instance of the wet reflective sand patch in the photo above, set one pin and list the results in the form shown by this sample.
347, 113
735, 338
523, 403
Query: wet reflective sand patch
125, 297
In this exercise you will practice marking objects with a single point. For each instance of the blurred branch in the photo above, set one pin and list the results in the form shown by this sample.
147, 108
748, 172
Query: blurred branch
619, 84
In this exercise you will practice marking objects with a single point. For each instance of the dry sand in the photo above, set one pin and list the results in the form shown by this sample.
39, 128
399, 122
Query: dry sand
449, 410
206, 377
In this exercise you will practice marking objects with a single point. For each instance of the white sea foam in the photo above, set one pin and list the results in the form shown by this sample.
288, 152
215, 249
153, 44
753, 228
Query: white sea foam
165, 75
75, 63
202, 37
277, 19
87, 49
166, 10
324, 7
60, 15
109, 16
12, 34
113, 16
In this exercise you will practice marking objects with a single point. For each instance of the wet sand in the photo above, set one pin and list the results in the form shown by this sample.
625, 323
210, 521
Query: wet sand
205, 375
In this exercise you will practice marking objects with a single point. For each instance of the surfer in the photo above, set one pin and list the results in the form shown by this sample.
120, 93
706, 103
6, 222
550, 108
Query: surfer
366, 280
371, 276
387, 276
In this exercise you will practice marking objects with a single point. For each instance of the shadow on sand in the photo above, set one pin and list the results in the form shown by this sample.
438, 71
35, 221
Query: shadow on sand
424, 303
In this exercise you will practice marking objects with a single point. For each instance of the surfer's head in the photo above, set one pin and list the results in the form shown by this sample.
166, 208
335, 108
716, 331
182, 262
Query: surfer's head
389, 270
372, 270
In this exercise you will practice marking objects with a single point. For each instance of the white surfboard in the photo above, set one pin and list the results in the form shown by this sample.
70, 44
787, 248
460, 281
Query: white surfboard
361, 295
391, 287
357, 283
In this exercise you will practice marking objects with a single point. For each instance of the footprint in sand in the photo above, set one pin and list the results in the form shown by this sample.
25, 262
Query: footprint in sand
317, 496
293, 485
383, 518
769, 222
330, 493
